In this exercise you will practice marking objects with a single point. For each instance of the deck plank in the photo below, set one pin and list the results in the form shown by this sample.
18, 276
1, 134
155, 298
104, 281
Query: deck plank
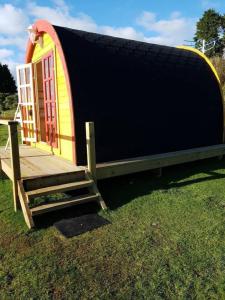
37, 162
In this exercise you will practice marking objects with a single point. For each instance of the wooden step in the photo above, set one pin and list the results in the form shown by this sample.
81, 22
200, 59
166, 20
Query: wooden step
52, 180
44, 208
59, 188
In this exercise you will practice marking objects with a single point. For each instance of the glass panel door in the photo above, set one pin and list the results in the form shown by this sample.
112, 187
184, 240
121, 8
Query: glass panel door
49, 100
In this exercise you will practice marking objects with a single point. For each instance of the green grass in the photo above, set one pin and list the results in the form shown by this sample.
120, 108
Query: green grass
3, 135
166, 240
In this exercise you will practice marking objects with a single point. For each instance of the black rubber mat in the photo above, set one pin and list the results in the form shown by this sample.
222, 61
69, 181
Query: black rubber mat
79, 225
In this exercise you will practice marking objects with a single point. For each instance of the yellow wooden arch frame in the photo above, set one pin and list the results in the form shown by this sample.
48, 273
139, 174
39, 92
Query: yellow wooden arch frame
204, 57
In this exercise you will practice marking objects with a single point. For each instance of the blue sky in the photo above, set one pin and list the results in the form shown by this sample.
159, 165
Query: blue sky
168, 22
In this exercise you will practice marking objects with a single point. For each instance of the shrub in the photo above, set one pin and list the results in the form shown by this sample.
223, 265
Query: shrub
11, 101
219, 64
8, 101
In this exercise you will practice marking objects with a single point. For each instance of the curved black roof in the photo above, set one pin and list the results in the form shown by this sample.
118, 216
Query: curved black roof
144, 98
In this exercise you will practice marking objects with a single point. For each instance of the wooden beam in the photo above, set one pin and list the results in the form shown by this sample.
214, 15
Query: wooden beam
94, 189
5, 122
118, 168
91, 156
15, 160
6, 168
62, 188
47, 207
24, 205
39, 182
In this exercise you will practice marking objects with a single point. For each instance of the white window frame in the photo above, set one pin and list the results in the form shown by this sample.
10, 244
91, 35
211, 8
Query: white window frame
32, 137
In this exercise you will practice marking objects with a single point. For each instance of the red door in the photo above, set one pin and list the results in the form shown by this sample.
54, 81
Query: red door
49, 99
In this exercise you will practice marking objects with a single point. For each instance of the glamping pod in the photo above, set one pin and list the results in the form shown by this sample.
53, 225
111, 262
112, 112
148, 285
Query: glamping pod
152, 106
143, 98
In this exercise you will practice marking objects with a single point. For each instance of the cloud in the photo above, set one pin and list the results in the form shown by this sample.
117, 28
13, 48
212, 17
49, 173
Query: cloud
61, 5
4, 53
123, 32
19, 41
13, 24
60, 16
172, 31
168, 32
207, 4
6, 58
13, 20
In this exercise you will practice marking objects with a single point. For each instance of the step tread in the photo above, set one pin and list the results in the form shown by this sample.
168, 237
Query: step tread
59, 188
44, 208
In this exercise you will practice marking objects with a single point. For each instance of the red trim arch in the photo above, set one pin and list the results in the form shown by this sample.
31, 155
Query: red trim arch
42, 26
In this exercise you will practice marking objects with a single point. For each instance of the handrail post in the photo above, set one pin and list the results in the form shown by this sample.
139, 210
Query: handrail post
15, 160
91, 156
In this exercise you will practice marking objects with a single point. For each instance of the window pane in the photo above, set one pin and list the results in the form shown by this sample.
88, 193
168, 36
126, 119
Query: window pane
21, 75
51, 89
30, 112
22, 94
49, 111
53, 110
28, 94
23, 112
27, 73
47, 90
51, 65
46, 68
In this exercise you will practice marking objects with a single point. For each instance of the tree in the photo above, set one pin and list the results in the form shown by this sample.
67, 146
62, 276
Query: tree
7, 82
211, 28
219, 64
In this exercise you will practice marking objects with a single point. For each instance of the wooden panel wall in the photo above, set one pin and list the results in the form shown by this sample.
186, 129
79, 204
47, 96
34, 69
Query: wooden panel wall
63, 108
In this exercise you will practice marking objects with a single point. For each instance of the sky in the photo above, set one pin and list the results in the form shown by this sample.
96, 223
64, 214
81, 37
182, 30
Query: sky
167, 22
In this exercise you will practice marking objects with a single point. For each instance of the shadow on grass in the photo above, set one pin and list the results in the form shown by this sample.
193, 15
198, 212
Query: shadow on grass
48, 219
2, 175
119, 191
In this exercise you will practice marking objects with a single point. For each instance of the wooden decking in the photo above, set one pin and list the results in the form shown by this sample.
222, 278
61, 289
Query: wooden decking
35, 162
35, 173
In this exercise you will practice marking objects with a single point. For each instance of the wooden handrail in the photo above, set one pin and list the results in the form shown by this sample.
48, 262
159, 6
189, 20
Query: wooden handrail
6, 122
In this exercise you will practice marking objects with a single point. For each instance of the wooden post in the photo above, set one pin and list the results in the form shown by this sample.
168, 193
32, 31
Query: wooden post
91, 157
15, 160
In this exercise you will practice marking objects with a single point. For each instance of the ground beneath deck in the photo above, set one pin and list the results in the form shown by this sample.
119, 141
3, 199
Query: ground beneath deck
36, 162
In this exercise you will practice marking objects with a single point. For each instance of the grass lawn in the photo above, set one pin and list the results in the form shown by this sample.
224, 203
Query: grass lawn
166, 240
